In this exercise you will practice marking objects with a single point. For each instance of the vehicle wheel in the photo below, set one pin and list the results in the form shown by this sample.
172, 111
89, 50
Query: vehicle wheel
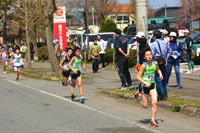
183, 56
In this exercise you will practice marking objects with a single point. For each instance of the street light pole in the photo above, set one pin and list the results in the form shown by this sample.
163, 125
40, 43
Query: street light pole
141, 20
86, 12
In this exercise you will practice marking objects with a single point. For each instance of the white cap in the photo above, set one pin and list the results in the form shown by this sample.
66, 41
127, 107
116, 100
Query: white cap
186, 31
55, 42
140, 35
173, 34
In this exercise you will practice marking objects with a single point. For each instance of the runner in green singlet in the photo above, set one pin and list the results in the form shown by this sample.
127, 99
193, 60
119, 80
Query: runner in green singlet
75, 65
146, 76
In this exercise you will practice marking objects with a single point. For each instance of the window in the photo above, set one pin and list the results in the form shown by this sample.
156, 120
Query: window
113, 18
119, 19
126, 19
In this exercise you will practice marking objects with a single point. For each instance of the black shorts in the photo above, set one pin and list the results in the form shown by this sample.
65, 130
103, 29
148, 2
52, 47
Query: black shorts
66, 73
75, 76
146, 90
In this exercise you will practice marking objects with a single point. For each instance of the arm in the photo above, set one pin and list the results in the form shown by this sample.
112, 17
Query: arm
84, 67
139, 74
61, 64
12, 59
121, 51
153, 49
159, 71
169, 52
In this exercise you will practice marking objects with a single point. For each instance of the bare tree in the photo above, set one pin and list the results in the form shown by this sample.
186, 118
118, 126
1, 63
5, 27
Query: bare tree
50, 8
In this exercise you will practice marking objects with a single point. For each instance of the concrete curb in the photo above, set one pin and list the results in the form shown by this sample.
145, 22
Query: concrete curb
191, 111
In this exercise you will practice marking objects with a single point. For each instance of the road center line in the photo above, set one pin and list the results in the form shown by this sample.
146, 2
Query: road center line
85, 106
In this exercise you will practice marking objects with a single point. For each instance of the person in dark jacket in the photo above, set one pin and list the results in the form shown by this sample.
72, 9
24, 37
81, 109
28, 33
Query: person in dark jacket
122, 53
174, 59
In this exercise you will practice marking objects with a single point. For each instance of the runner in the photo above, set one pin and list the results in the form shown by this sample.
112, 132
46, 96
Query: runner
146, 76
4, 59
75, 66
17, 62
63, 65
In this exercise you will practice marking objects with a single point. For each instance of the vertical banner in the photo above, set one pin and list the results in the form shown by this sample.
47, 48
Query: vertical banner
60, 27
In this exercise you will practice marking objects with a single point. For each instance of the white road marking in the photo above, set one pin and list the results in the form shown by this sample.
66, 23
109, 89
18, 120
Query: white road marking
86, 107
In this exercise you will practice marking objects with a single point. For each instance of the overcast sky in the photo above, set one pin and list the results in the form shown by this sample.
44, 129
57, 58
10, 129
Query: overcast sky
158, 3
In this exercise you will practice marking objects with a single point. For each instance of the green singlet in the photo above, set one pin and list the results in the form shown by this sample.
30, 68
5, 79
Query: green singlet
76, 65
149, 72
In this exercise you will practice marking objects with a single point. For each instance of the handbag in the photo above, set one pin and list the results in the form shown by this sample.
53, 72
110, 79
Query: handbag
160, 60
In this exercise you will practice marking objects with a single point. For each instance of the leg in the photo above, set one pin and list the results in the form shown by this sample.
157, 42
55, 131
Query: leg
79, 81
65, 81
145, 100
18, 73
97, 61
169, 67
159, 86
120, 68
164, 81
103, 62
127, 73
154, 95
73, 84
188, 60
93, 65
177, 71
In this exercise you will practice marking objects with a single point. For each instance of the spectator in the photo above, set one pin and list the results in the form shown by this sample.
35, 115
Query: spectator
23, 50
102, 44
142, 41
188, 47
94, 54
16, 46
32, 52
174, 59
161, 52
166, 38
122, 53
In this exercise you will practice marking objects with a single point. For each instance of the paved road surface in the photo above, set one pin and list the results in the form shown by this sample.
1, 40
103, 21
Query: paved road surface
31, 105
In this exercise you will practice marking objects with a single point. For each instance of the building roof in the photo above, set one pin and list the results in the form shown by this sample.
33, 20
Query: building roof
123, 8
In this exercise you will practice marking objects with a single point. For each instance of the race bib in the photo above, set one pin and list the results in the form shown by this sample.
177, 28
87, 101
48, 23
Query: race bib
149, 76
4, 55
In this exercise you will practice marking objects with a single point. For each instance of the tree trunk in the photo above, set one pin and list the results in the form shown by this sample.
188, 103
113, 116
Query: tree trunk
4, 28
27, 36
20, 32
34, 40
49, 34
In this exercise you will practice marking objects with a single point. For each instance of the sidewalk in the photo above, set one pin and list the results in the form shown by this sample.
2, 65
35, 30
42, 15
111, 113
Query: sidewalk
186, 100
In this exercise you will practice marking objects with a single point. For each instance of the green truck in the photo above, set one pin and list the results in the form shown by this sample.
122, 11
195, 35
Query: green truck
195, 48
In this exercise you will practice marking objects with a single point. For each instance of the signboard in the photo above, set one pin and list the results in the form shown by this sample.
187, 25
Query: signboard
60, 27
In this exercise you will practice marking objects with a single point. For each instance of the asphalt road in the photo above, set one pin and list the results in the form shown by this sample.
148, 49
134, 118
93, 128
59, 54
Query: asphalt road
30, 105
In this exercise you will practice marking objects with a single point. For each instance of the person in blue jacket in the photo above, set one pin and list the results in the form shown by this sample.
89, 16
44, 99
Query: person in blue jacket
174, 59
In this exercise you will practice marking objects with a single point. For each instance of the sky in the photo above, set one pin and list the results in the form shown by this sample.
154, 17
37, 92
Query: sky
157, 3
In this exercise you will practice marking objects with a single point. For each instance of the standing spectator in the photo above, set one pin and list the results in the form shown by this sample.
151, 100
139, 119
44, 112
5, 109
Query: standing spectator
174, 59
189, 43
122, 53
94, 54
57, 50
166, 38
161, 52
23, 50
140, 38
102, 44
32, 52
17, 46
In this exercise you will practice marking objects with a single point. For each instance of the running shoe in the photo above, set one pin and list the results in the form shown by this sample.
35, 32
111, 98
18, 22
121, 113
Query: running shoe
4, 72
188, 72
17, 79
69, 80
123, 87
73, 97
153, 123
167, 85
138, 96
82, 100
179, 86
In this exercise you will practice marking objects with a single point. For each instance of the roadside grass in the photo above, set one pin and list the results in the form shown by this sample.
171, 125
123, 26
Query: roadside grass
182, 102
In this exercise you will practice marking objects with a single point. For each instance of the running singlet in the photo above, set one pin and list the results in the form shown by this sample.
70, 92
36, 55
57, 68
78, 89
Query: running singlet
66, 62
77, 63
149, 72
17, 60
4, 55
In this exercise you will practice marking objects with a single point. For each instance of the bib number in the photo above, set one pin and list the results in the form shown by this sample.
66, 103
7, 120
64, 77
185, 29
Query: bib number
149, 77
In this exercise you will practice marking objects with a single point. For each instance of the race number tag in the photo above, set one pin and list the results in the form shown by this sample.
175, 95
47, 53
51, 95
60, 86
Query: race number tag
149, 76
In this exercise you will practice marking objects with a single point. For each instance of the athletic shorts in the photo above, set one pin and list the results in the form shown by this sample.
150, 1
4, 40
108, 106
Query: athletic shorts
146, 90
17, 66
75, 76
66, 73
4, 60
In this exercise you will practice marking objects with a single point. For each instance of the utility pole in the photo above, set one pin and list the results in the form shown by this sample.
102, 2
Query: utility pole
141, 20
86, 12
165, 11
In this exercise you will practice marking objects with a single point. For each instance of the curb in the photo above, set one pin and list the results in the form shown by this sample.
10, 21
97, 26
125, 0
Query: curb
191, 111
